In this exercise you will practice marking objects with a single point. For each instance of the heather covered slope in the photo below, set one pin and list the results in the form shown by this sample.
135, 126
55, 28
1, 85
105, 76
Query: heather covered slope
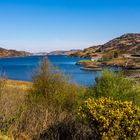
127, 43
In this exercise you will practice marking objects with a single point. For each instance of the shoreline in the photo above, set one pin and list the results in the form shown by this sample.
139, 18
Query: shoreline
18, 84
131, 72
22, 56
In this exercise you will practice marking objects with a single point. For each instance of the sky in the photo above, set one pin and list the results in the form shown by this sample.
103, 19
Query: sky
47, 25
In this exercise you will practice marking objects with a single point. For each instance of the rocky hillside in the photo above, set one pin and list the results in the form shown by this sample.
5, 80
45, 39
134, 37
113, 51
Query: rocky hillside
12, 53
128, 44
89, 52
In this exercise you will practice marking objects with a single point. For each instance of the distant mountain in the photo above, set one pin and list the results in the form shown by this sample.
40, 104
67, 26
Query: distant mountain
127, 43
12, 53
41, 53
62, 52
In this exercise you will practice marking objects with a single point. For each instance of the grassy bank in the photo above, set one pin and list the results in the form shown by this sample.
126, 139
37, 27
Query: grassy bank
50, 108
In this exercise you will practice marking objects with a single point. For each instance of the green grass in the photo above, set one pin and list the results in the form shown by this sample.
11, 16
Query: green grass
116, 85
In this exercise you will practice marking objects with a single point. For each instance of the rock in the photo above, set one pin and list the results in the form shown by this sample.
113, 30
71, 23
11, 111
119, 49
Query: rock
92, 69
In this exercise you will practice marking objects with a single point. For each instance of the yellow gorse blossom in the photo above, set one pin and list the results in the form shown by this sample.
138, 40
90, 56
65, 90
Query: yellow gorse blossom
112, 119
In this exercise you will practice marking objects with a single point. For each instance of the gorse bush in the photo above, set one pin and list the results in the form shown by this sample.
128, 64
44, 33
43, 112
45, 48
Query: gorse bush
116, 85
112, 119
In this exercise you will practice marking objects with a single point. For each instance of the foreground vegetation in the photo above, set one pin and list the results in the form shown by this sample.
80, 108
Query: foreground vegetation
50, 108
112, 119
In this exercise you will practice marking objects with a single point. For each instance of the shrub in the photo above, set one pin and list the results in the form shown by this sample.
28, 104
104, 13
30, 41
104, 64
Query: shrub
116, 85
108, 55
52, 87
11, 105
68, 130
6, 120
116, 54
50, 99
3, 81
112, 119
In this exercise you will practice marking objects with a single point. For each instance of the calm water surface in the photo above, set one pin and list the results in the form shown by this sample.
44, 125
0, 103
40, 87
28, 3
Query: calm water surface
23, 68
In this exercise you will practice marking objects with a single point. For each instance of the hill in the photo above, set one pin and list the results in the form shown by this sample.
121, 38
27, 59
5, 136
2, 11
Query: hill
123, 51
12, 53
125, 44
128, 43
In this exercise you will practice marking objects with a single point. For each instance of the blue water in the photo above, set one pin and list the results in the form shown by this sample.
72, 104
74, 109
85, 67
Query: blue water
23, 68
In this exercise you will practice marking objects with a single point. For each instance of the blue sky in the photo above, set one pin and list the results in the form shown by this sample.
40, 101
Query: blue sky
46, 25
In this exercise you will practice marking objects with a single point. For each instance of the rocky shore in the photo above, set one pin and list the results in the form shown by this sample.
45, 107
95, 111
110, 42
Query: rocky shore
123, 52
127, 64
131, 71
89, 65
